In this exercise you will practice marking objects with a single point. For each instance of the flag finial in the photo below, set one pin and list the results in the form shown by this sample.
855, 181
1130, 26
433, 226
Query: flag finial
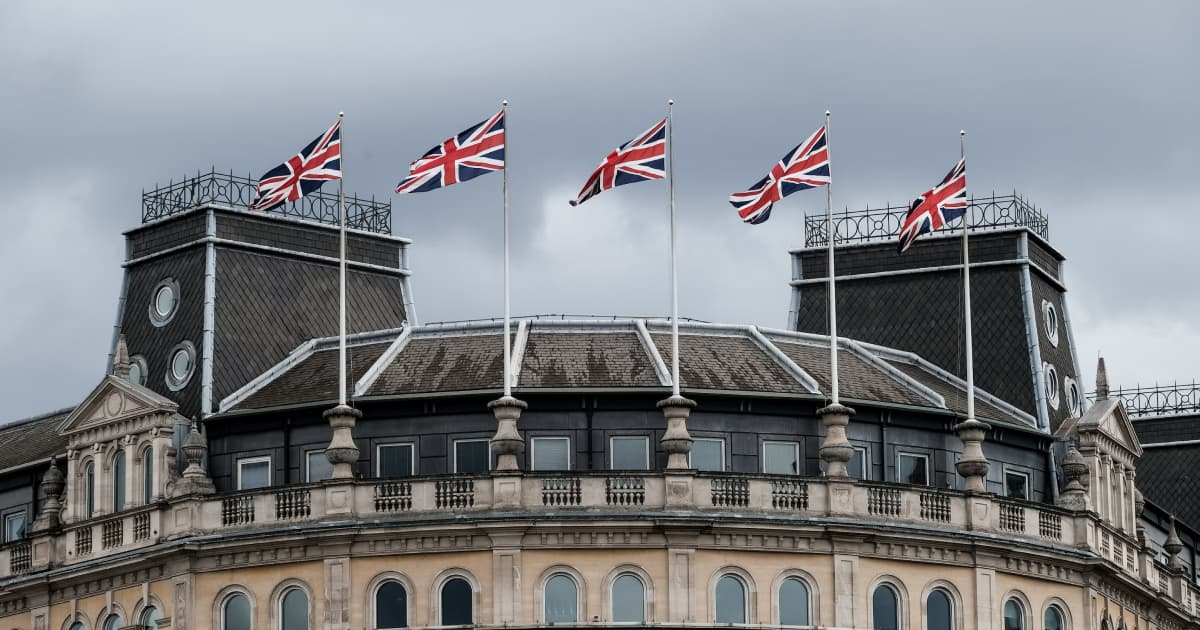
504, 102
670, 101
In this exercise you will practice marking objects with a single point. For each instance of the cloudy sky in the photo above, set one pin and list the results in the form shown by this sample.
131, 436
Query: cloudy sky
1089, 110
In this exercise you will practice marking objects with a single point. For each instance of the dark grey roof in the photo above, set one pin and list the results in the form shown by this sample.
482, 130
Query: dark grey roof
718, 362
315, 378
856, 378
444, 364
32, 439
954, 396
1167, 429
1165, 474
611, 359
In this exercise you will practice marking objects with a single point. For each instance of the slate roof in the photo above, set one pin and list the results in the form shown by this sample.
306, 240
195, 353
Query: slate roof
610, 359
1165, 473
315, 378
32, 439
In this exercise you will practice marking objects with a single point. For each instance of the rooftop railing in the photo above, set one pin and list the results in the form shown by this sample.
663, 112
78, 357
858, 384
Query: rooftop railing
1158, 400
234, 191
882, 224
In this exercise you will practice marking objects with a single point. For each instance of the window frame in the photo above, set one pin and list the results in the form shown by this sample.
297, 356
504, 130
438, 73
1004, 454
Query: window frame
465, 440
745, 599
472, 595
11, 516
612, 585
897, 593
227, 595
928, 473
811, 603
644, 439
950, 599
282, 595
1028, 483
412, 458
720, 440
866, 462
257, 459
147, 474
533, 442
89, 489
308, 464
579, 611
1013, 599
120, 487
763, 449
390, 579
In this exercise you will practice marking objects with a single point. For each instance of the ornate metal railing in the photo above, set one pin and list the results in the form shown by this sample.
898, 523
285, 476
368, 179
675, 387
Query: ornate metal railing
881, 224
227, 189
1159, 400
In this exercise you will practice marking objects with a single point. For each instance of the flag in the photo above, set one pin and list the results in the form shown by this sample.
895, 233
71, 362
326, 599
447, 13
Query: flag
638, 160
468, 155
938, 206
318, 162
804, 167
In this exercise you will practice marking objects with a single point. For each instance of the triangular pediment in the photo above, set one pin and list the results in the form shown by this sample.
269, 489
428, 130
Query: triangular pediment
114, 400
1110, 418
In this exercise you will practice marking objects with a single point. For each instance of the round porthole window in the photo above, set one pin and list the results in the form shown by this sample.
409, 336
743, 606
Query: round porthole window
164, 302
137, 369
1050, 319
181, 366
1072, 392
1052, 387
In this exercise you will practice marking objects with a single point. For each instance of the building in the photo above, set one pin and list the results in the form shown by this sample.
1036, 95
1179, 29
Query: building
210, 480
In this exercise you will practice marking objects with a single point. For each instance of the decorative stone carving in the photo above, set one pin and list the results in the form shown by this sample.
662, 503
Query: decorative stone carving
1139, 505
50, 518
1101, 381
342, 452
508, 443
973, 466
120, 367
1075, 473
195, 479
1173, 546
677, 442
835, 448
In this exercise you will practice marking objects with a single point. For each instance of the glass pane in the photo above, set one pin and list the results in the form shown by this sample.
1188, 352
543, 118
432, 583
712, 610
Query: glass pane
731, 600
254, 475
114, 622
91, 490
319, 467
562, 600
391, 606
164, 301
885, 609
779, 458
237, 613
913, 470
793, 603
1054, 620
148, 476
395, 460
472, 457
14, 526
551, 453
456, 603
118, 479
150, 618
938, 611
78, 625
181, 365
630, 453
1013, 618
135, 373
708, 455
1016, 486
295, 610
628, 599
857, 466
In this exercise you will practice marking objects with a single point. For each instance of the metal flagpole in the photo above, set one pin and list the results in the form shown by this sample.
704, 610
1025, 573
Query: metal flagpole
962, 153
833, 355
507, 348
674, 273
342, 262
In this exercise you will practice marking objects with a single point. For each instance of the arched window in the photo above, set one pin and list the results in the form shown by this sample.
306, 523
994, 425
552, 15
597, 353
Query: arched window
89, 490
150, 618
1014, 615
793, 602
628, 599
78, 625
235, 613
391, 605
562, 599
293, 610
148, 475
457, 603
885, 608
114, 622
939, 611
118, 481
731, 600
1054, 618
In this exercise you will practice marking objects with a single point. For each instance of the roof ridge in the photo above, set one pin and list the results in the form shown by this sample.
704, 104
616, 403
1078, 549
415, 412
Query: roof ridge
42, 416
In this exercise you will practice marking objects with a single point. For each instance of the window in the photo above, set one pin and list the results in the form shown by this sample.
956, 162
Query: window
1050, 319
885, 608
14, 526
78, 625
114, 622
293, 610
793, 602
89, 499
472, 456
1071, 389
148, 475
938, 611
562, 599
1054, 618
551, 453
912, 469
629, 453
1050, 376
707, 454
457, 603
628, 599
137, 369
181, 366
118, 481
394, 460
1014, 615
317, 465
1016, 485
781, 458
235, 613
391, 605
857, 466
164, 302
150, 618
254, 472
730, 600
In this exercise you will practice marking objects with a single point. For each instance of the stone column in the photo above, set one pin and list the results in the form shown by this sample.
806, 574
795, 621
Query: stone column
342, 453
835, 448
52, 486
1075, 472
1104, 491
1131, 512
973, 466
507, 443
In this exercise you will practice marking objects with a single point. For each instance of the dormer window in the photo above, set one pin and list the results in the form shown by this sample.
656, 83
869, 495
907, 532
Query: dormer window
137, 369
181, 366
164, 302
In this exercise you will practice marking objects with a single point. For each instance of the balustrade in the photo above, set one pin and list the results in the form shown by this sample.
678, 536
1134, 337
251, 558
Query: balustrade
393, 496
730, 492
561, 491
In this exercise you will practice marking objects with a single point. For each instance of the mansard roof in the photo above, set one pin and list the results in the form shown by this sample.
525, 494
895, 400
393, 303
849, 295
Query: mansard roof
32, 440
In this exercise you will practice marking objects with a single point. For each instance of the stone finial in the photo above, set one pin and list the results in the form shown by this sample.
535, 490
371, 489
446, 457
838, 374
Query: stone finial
1101, 380
1075, 471
195, 479
835, 449
53, 482
508, 444
342, 452
973, 465
1173, 546
676, 441
120, 367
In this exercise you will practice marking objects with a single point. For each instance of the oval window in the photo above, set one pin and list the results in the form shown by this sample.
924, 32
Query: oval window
182, 365
164, 302
137, 369
1050, 320
1072, 392
1052, 387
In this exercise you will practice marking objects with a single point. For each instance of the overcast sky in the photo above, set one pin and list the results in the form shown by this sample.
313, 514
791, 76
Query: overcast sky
1088, 110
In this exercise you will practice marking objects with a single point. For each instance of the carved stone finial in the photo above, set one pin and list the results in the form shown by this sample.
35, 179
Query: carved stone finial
508, 444
53, 482
1075, 470
120, 367
1173, 546
342, 452
973, 465
1101, 380
195, 479
676, 441
835, 449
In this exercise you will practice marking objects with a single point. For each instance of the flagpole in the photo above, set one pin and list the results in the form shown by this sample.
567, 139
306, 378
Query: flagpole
962, 153
507, 348
674, 272
342, 263
833, 345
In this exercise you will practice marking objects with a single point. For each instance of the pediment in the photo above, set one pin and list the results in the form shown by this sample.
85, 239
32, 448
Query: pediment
114, 400
1110, 418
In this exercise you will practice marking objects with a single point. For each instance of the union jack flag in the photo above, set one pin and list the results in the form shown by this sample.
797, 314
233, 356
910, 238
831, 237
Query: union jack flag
468, 155
804, 167
316, 163
938, 206
638, 160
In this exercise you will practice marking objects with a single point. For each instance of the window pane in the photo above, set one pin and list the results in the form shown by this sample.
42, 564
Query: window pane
237, 612
708, 455
630, 453
472, 457
1016, 485
391, 606
295, 610
78, 625
254, 475
779, 458
147, 476
628, 599
1013, 618
395, 460
319, 468
913, 470
562, 600
456, 603
938, 611
14, 526
118, 480
551, 453
114, 622
793, 603
885, 609
91, 490
1054, 620
857, 466
731, 600
150, 618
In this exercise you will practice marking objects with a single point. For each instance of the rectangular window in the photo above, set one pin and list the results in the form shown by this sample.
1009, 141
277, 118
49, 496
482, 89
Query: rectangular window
551, 453
912, 469
394, 460
629, 453
14, 526
472, 456
253, 472
708, 454
857, 466
317, 466
781, 458
1016, 485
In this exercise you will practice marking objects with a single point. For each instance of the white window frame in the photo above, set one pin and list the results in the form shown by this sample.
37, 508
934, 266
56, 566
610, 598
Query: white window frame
412, 459
465, 440
1020, 473
307, 468
611, 452
257, 460
721, 440
533, 450
924, 456
866, 461
9, 518
795, 448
